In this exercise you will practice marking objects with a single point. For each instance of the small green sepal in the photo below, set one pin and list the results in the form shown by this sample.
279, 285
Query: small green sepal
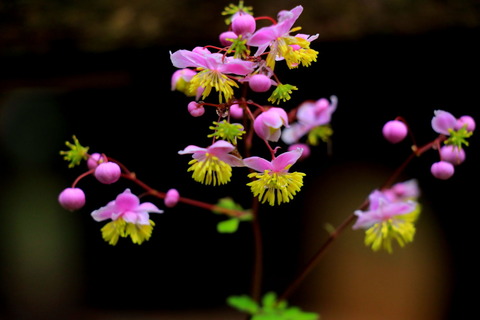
282, 93
231, 9
458, 137
76, 154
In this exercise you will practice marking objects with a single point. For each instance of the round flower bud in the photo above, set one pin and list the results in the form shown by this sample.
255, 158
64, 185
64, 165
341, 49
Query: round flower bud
236, 112
306, 149
243, 24
108, 172
171, 198
442, 170
227, 35
452, 154
260, 83
394, 131
72, 198
465, 120
94, 160
195, 109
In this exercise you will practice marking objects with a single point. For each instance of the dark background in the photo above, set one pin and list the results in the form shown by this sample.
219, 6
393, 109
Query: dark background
101, 71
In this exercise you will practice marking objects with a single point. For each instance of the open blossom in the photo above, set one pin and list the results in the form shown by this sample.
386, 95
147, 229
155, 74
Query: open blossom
267, 125
214, 68
212, 165
129, 218
311, 115
273, 182
390, 216
294, 49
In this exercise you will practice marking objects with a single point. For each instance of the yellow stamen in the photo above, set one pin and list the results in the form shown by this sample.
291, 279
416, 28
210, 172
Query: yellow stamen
280, 186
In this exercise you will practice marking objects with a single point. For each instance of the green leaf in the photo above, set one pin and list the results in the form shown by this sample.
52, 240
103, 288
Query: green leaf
243, 303
228, 226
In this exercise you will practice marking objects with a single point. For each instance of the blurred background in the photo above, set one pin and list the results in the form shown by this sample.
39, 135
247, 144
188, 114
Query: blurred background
100, 70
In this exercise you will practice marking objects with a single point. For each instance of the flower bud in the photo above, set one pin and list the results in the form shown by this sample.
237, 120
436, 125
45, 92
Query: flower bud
394, 131
224, 36
442, 170
195, 109
108, 172
94, 160
465, 120
452, 154
171, 198
72, 198
236, 112
260, 83
243, 24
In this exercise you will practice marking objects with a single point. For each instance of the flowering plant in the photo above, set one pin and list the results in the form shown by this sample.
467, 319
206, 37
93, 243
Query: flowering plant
242, 67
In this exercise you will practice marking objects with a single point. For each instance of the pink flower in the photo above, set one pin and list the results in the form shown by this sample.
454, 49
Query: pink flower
280, 164
202, 58
267, 124
214, 68
212, 165
127, 207
267, 36
381, 209
310, 114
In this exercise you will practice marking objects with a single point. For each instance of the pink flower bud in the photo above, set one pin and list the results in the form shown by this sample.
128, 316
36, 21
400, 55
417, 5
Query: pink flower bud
442, 170
260, 83
465, 120
72, 198
227, 35
171, 198
243, 24
394, 131
94, 160
108, 172
195, 109
452, 154
236, 112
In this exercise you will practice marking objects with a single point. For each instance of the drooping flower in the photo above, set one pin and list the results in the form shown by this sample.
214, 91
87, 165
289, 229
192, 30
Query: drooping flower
129, 218
212, 165
313, 118
214, 68
273, 183
294, 49
267, 125
388, 218
457, 130
395, 131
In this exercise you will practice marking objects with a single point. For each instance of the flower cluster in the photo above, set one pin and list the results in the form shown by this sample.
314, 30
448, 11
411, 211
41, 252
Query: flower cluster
456, 132
129, 217
203, 70
453, 133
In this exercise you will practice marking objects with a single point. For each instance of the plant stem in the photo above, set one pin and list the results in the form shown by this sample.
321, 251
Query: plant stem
258, 262
416, 151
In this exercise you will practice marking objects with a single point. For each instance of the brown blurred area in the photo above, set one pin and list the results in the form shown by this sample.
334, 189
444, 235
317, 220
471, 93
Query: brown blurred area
101, 70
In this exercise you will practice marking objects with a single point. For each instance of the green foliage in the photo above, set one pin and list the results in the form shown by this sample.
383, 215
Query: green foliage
231, 225
76, 154
271, 309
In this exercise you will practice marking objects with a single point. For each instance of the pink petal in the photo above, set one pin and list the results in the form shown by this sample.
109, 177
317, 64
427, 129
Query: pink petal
148, 207
192, 149
442, 121
104, 213
126, 201
237, 66
220, 147
185, 58
280, 163
257, 164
